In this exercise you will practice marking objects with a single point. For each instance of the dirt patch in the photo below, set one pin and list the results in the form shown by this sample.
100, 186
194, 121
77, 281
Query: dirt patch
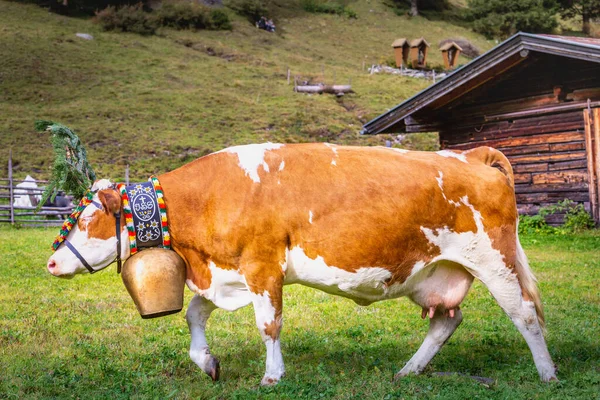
209, 50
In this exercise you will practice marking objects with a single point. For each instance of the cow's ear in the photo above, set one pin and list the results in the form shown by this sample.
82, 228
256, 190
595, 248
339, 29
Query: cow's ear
110, 201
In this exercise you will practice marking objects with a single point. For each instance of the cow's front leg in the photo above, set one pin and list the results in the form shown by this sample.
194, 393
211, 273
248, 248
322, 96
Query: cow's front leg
197, 314
267, 308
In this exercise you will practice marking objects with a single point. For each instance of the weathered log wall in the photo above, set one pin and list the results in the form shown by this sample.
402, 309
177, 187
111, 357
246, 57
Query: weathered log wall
548, 155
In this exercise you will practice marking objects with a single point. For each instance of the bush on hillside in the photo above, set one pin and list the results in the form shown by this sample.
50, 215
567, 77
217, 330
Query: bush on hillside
176, 14
503, 18
182, 14
328, 7
79, 7
468, 48
253, 10
127, 19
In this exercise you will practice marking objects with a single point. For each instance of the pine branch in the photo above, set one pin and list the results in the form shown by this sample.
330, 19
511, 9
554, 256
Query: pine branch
71, 171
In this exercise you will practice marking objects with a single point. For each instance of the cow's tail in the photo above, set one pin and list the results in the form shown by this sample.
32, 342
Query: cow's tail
528, 283
495, 159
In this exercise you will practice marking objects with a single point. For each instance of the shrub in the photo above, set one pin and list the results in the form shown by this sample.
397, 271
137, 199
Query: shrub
251, 9
188, 15
316, 6
502, 18
127, 19
576, 219
533, 224
220, 20
79, 7
175, 14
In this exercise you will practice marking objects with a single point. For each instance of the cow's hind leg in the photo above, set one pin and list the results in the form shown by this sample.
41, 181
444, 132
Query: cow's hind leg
519, 298
441, 327
197, 315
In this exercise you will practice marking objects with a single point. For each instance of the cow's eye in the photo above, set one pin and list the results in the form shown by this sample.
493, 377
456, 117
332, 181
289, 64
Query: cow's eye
86, 219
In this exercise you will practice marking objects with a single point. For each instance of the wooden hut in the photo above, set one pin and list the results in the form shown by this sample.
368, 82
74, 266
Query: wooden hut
450, 52
534, 97
418, 53
401, 51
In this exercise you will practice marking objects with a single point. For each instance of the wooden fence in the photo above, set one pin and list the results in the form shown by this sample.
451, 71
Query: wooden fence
22, 215
27, 216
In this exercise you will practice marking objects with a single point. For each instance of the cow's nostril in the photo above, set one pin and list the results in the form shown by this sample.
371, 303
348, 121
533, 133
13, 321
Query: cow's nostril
51, 265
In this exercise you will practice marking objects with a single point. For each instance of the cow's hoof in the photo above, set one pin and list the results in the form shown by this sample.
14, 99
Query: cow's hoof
402, 374
215, 369
269, 381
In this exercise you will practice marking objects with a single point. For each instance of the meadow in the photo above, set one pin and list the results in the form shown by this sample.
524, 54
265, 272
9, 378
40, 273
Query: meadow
83, 338
158, 102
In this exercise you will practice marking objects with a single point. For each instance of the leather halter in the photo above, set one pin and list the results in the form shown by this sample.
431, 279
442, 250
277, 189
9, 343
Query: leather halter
70, 246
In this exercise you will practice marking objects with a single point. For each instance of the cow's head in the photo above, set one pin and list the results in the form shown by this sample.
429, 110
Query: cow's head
93, 236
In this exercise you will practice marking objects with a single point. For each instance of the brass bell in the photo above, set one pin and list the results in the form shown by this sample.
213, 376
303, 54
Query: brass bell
155, 280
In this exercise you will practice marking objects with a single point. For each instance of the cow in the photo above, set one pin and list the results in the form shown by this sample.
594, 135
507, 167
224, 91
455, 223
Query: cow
61, 200
365, 223
25, 194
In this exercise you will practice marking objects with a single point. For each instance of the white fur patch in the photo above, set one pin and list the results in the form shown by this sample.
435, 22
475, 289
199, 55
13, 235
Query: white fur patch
440, 181
252, 156
474, 250
335, 152
227, 289
101, 184
282, 165
310, 217
263, 308
366, 285
451, 154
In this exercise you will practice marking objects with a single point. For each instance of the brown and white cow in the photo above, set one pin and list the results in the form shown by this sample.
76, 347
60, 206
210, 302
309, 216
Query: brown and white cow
365, 223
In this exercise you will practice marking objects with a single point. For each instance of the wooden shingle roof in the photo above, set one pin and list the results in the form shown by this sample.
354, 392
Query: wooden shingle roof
399, 42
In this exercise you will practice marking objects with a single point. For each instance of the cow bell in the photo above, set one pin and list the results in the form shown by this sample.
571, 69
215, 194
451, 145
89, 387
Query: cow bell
155, 280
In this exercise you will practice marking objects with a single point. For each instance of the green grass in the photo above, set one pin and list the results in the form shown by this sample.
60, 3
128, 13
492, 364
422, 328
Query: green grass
158, 102
83, 338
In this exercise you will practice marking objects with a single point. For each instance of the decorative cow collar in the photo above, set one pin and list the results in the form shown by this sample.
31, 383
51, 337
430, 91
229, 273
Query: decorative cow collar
145, 215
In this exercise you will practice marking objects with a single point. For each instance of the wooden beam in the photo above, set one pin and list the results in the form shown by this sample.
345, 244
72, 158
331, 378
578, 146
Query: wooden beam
597, 157
540, 111
590, 163
332, 89
10, 189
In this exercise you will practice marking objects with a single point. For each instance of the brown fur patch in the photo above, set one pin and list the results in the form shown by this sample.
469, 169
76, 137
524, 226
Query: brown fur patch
273, 328
103, 226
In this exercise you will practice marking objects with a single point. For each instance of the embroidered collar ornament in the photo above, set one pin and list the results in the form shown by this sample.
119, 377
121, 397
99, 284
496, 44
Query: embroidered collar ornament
145, 215
72, 219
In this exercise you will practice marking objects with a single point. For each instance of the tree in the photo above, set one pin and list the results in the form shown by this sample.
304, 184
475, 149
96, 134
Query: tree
503, 18
414, 10
414, 7
587, 9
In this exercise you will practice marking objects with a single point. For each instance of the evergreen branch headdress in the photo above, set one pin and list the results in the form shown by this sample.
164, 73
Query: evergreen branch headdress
71, 172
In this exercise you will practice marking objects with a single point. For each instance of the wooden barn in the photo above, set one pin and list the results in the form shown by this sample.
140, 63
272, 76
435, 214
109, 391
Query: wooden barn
534, 97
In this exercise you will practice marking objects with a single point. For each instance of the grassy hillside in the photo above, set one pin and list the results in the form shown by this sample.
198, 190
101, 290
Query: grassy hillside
158, 102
